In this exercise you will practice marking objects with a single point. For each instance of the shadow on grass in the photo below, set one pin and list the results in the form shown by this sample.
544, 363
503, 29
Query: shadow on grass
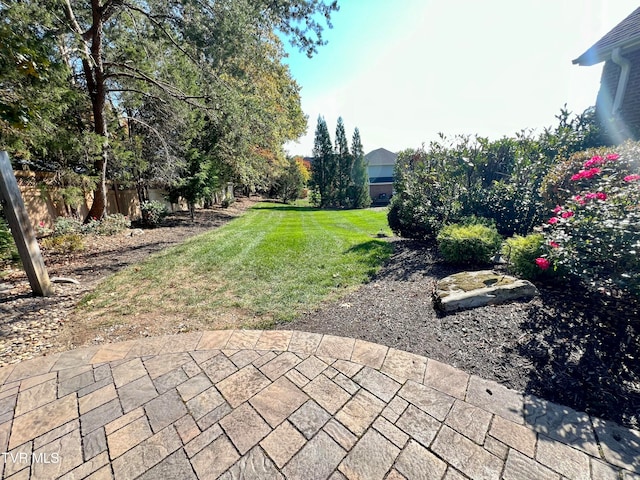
585, 351
372, 253
285, 207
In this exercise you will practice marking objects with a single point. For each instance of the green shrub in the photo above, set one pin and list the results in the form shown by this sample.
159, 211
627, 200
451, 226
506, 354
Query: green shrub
226, 203
66, 225
468, 244
425, 195
153, 213
113, 224
66, 243
522, 253
8, 250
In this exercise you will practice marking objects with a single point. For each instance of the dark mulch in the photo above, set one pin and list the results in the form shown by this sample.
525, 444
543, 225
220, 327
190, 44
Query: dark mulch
565, 346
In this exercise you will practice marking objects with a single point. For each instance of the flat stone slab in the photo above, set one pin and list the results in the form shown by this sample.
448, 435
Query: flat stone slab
199, 411
466, 290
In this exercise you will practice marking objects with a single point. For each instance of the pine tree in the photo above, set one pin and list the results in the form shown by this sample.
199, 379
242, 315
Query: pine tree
360, 177
322, 171
343, 166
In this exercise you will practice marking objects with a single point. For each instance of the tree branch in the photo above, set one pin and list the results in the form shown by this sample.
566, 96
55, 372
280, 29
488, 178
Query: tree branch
165, 32
170, 90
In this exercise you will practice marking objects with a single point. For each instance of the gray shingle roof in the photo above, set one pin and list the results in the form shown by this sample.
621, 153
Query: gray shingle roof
381, 156
625, 35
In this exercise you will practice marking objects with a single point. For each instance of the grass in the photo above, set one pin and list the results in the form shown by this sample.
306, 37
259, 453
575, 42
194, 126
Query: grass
268, 265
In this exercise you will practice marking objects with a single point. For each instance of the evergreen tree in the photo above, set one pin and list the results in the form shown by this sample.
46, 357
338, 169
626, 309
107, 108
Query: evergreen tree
343, 166
360, 177
322, 171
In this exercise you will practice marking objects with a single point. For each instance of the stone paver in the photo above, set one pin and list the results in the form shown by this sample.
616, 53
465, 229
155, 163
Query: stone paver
287, 405
279, 400
283, 443
243, 385
370, 459
415, 461
245, 428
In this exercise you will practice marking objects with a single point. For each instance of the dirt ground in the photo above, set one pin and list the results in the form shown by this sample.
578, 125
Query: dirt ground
578, 350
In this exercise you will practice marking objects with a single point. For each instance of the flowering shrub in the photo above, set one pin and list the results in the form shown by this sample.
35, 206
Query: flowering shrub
595, 235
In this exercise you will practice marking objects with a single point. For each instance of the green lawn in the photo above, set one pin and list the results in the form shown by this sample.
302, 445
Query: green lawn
270, 264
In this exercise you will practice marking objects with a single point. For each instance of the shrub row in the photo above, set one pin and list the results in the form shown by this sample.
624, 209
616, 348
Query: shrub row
591, 234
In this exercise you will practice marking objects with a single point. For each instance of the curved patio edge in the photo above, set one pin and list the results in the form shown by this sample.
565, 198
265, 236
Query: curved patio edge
477, 426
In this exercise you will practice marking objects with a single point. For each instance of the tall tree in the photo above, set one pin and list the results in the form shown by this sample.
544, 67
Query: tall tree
321, 168
119, 46
360, 177
343, 165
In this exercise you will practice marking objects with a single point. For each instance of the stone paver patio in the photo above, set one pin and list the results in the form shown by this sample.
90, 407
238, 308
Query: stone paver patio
281, 404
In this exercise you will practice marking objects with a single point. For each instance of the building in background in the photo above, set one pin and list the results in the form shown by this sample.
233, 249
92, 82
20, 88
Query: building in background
380, 164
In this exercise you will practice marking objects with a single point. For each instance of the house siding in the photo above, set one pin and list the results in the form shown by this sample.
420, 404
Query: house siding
628, 125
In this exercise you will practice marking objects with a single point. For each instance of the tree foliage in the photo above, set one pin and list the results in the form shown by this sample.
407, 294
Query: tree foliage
156, 91
339, 176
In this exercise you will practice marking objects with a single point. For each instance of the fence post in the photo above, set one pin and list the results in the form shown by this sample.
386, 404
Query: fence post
22, 230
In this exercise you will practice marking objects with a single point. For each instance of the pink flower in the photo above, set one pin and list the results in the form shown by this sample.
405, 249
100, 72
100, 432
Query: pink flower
612, 156
601, 196
41, 224
553, 244
567, 214
543, 263
558, 209
553, 220
585, 174
631, 178
590, 196
597, 160
579, 200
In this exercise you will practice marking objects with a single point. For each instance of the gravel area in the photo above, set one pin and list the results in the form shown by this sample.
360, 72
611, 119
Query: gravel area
580, 351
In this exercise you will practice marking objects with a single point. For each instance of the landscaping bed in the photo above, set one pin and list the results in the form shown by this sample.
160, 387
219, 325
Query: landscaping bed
565, 346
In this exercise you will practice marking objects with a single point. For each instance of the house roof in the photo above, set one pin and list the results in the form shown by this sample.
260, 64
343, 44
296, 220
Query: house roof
381, 156
625, 35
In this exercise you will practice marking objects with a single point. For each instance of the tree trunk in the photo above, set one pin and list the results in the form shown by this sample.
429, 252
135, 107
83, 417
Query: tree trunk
98, 94
94, 73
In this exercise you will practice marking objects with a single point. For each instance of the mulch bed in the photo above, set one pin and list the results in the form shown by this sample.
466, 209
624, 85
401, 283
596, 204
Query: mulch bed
579, 350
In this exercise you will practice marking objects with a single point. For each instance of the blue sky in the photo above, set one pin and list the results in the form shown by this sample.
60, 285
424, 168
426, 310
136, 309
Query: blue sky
404, 70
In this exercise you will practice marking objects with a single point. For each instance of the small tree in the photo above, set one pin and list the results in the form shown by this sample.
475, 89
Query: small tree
292, 182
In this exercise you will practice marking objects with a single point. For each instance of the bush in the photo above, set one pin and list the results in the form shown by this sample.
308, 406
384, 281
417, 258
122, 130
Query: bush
66, 225
153, 213
425, 193
595, 234
112, 224
8, 250
66, 243
522, 253
468, 244
226, 203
